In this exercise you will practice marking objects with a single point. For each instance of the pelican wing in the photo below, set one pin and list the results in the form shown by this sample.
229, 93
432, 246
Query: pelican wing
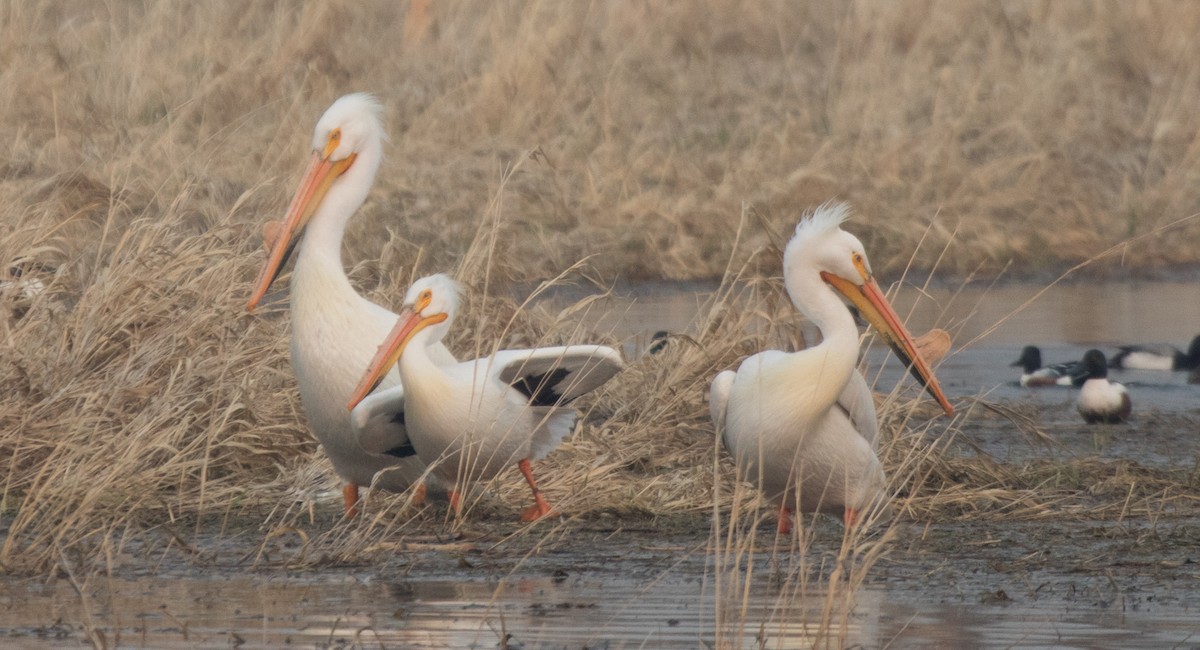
858, 403
718, 400
377, 423
555, 376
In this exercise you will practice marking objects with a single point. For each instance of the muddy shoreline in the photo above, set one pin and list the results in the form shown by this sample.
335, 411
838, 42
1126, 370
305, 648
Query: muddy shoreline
443, 590
1104, 556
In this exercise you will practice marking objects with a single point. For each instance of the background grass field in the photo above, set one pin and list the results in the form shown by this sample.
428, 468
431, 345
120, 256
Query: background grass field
147, 142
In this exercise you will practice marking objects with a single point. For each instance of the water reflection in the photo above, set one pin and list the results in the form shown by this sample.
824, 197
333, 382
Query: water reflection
592, 611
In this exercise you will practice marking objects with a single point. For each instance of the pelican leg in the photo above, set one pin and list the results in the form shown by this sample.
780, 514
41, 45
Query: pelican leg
350, 495
785, 521
419, 494
849, 517
456, 502
540, 508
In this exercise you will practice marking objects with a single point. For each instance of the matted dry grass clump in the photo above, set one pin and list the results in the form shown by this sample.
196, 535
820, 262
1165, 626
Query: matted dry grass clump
148, 142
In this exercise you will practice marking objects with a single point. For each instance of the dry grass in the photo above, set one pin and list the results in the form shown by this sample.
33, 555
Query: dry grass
1038, 132
149, 141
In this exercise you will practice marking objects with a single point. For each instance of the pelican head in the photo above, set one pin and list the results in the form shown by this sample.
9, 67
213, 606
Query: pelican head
430, 303
349, 127
820, 244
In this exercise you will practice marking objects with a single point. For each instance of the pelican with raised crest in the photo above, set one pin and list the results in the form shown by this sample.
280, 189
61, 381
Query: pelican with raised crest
801, 425
335, 330
469, 421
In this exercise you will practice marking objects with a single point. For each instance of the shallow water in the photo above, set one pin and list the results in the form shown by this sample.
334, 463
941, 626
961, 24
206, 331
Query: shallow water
989, 326
627, 590
1073, 583
1069, 315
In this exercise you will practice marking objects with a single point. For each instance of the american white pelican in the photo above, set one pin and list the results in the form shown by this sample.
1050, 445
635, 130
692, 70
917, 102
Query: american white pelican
1033, 373
802, 424
1101, 400
335, 330
1157, 357
470, 420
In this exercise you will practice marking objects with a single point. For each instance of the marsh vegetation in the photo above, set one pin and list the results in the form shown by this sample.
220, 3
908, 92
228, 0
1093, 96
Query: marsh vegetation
143, 413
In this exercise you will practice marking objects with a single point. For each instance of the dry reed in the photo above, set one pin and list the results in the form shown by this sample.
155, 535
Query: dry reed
149, 141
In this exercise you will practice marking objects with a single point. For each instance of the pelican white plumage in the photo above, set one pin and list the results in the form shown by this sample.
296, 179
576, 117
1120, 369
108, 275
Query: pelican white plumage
470, 420
335, 330
802, 424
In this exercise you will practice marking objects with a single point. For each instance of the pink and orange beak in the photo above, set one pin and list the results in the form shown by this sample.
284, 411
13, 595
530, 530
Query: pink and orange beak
321, 173
871, 303
410, 322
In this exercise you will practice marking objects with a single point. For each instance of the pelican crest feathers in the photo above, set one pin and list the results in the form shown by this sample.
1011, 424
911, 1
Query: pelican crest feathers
828, 216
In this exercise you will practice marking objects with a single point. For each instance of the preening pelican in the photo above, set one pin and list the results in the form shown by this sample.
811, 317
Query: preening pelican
334, 330
1157, 357
1033, 373
801, 424
1101, 400
470, 420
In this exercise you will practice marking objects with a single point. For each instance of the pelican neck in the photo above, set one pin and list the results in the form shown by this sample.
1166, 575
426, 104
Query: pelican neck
418, 371
839, 334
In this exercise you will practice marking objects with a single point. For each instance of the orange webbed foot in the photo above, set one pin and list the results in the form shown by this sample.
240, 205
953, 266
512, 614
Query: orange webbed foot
538, 510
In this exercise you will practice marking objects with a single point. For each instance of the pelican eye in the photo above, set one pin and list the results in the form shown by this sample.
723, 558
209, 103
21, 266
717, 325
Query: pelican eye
332, 142
424, 298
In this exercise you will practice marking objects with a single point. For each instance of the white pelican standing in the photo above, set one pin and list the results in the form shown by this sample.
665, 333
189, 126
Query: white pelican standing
335, 330
470, 420
1101, 400
802, 424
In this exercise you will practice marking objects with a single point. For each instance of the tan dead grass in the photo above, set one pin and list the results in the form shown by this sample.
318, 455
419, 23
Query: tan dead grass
1040, 132
149, 141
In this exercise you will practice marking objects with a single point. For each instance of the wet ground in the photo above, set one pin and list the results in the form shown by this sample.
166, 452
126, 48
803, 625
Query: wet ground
1072, 584
1060, 580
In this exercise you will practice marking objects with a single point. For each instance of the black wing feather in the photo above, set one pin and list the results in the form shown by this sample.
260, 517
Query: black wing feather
403, 451
542, 390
